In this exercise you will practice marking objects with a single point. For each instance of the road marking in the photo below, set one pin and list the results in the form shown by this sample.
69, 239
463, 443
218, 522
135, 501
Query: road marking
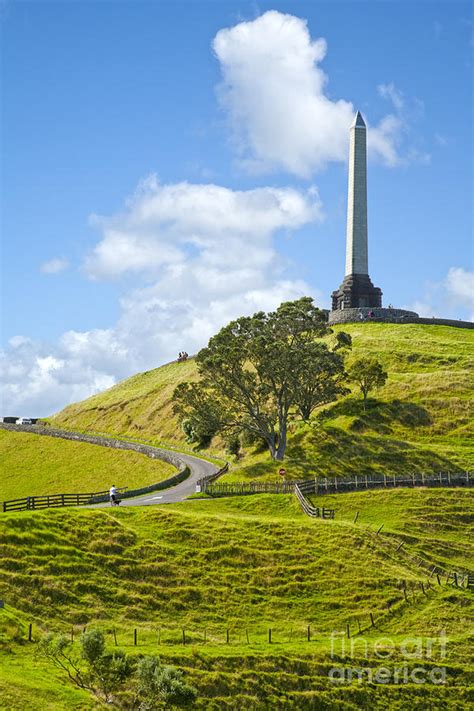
153, 498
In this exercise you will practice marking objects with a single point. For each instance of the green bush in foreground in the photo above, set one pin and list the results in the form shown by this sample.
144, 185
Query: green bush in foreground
114, 677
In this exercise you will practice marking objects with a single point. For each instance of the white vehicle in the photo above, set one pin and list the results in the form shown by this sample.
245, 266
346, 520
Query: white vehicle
24, 421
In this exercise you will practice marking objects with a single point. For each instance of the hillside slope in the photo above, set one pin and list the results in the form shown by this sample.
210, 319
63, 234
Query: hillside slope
421, 419
243, 565
34, 465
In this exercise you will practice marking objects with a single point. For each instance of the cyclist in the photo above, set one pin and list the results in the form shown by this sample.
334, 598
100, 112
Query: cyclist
114, 500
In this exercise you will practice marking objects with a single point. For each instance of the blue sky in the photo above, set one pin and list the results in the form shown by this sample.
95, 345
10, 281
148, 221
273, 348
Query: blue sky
168, 166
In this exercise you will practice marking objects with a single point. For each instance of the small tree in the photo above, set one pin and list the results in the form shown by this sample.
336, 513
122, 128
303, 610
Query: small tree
110, 676
368, 373
90, 667
161, 686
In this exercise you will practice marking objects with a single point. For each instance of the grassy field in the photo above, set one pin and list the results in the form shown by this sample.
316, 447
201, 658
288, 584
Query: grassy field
244, 565
421, 420
226, 571
35, 465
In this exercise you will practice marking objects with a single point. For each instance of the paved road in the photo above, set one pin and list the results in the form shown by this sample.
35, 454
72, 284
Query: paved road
198, 467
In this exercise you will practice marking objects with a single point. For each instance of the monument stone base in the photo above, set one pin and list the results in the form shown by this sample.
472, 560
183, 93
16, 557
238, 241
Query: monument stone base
363, 314
355, 291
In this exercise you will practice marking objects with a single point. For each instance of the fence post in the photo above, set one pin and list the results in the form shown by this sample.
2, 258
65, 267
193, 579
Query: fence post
135, 637
269, 635
227, 636
184, 637
356, 517
348, 631
30, 632
372, 620
309, 633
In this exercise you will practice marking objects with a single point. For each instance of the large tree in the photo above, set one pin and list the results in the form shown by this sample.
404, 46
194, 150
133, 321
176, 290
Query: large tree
257, 369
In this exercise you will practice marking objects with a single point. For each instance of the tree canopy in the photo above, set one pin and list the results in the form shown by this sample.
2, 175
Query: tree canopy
259, 368
368, 373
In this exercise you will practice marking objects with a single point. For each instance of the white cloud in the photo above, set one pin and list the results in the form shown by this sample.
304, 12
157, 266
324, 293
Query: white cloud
390, 91
208, 255
459, 284
213, 230
54, 266
452, 297
276, 97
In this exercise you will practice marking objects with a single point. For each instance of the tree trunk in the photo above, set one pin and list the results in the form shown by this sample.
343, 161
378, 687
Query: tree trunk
280, 453
272, 446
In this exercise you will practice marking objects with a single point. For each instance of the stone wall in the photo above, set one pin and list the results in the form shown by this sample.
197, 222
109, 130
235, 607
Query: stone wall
382, 315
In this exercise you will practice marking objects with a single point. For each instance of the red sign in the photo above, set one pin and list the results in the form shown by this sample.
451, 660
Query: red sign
282, 472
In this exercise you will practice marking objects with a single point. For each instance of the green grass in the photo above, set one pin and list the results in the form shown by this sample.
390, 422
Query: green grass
244, 564
252, 563
421, 419
36, 465
139, 406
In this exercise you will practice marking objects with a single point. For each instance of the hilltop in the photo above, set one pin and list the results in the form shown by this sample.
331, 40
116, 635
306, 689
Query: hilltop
421, 419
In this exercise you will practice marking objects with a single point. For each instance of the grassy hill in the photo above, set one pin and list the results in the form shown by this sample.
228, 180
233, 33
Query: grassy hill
226, 571
421, 420
243, 565
35, 465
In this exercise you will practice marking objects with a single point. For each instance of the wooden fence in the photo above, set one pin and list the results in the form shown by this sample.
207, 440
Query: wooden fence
31, 503
252, 487
308, 508
332, 485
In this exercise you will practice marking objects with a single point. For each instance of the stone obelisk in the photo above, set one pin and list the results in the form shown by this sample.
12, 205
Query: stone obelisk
357, 289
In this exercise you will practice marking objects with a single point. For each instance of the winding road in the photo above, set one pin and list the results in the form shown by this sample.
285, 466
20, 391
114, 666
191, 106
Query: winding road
198, 467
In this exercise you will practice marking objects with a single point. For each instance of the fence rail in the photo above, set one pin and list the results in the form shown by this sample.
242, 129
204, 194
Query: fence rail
330, 485
308, 508
48, 501
326, 485
252, 487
